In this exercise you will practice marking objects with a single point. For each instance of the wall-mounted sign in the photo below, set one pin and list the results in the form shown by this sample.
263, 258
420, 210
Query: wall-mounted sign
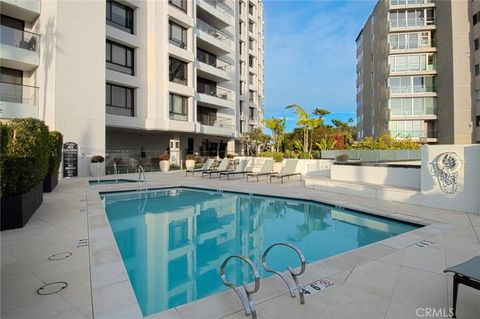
70, 159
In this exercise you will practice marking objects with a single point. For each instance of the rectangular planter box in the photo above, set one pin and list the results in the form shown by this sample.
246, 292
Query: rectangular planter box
49, 183
17, 209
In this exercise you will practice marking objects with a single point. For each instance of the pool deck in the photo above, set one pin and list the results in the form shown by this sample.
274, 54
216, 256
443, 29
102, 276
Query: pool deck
388, 279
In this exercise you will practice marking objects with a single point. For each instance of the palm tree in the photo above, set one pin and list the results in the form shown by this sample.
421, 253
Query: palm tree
303, 121
277, 126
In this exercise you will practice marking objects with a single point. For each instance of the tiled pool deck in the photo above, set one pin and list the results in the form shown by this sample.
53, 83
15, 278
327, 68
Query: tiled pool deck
388, 279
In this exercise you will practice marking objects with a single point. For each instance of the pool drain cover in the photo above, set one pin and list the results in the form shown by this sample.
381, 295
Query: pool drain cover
60, 256
52, 288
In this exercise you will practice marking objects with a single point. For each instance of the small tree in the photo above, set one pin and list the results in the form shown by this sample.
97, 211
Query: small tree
255, 141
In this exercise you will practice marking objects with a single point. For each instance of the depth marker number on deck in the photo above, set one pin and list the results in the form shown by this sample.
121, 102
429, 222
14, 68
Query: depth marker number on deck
316, 286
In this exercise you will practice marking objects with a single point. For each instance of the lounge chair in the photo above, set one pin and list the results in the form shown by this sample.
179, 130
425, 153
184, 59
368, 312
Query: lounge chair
206, 167
467, 273
287, 171
265, 170
222, 167
240, 169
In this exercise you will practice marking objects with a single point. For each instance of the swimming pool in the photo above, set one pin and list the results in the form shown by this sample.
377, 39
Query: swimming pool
173, 241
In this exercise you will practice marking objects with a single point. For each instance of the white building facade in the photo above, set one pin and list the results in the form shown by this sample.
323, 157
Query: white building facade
135, 77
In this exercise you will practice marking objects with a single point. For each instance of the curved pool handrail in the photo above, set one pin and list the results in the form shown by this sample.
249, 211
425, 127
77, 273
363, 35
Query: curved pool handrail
247, 301
294, 274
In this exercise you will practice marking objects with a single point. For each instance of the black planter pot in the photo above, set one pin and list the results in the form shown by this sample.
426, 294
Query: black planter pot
49, 183
17, 209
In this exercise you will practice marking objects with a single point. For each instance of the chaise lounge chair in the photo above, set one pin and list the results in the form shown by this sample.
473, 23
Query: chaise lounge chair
287, 171
222, 167
206, 167
241, 169
265, 170
467, 273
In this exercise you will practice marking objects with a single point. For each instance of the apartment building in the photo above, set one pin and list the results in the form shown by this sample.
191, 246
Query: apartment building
415, 72
129, 76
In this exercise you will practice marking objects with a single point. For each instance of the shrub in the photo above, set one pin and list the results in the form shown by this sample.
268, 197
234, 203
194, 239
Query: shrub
97, 159
164, 157
386, 142
277, 157
56, 142
190, 157
230, 156
24, 158
342, 158
265, 154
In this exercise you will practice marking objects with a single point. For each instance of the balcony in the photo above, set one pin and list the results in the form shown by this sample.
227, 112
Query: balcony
407, 4
219, 71
19, 49
423, 46
218, 126
18, 101
216, 12
414, 113
25, 10
212, 39
216, 98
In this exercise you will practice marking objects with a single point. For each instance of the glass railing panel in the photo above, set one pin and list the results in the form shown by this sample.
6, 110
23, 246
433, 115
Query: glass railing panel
17, 93
19, 38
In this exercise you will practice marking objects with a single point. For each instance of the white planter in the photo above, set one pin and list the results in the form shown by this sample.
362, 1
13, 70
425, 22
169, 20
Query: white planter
190, 164
97, 169
277, 167
164, 166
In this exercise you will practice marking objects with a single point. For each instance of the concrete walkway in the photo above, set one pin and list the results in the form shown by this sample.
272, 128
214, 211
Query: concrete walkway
389, 279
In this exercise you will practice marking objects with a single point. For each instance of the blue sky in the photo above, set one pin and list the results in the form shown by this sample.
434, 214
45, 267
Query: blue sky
310, 55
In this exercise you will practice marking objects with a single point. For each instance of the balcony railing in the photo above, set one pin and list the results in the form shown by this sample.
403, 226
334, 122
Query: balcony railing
218, 63
415, 134
218, 122
422, 44
410, 2
218, 92
413, 111
214, 32
18, 93
219, 5
19, 38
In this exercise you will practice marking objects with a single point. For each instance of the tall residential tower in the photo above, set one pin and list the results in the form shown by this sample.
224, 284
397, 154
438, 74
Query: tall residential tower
416, 71
122, 75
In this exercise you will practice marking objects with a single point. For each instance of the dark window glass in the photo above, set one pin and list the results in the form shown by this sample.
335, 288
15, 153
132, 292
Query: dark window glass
206, 86
120, 16
475, 19
180, 4
476, 43
119, 58
11, 88
477, 69
177, 35
251, 61
206, 57
178, 107
119, 100
178, 71
477, 120
206, 116
252, 113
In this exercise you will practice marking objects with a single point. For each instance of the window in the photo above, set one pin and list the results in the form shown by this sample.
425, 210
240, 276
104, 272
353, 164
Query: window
177, 35
206, 86
475, 18
242, 123
240, 47
119, 57
476, 44
251, 8
477, 69
119, 100
412, 62
178, 71
413, 129
251, 95
251, 43
405, 41
240, 27
120, 16
206, 115
251, 61
251, 114
11, 85
412, 84
242, 87
416, 106
206, 57
180, 4
178, 107
241, 108
412, 18
477, 120
251, 26
251, 78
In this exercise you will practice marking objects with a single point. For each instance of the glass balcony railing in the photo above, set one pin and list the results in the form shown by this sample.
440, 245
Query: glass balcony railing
216, 122
215, 62
19, 38
410, 2
216, 92
214, 32
414, 134
17, 93
219, 5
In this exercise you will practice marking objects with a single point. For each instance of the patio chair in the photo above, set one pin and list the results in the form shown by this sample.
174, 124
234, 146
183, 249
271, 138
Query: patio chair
287, 171
467, 273
222, 167
265, 170
206, 167
240, 169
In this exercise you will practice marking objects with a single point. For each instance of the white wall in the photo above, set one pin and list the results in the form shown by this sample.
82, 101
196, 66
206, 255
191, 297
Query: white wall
393, 176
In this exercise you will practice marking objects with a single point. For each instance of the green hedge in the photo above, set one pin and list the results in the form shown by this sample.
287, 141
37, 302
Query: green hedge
56, 143
25, 154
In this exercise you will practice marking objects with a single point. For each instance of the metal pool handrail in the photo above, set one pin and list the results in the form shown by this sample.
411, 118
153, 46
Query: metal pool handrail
141, 173
115, 171
247, 301
294, 274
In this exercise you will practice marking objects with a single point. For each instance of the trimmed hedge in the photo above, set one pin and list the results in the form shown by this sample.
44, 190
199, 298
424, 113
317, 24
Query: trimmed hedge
24, 159
56, 143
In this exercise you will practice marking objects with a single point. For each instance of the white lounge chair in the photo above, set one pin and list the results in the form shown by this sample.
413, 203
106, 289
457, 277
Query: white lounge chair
206, 167
222, 167
287, 171
240, 169
265, 170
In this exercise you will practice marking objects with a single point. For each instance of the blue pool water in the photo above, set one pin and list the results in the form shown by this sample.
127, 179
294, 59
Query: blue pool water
110, 181
173, 241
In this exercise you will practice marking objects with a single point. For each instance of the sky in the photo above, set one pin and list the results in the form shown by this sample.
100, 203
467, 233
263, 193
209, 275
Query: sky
310, 55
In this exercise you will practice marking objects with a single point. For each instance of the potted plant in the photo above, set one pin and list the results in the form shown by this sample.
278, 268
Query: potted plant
24, 150
97, 165
278, 159
342, 158
190, 162
164, 162
55, 157
230, 156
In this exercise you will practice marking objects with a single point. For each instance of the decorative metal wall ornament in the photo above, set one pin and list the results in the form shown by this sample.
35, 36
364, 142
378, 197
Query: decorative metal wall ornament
446, 167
